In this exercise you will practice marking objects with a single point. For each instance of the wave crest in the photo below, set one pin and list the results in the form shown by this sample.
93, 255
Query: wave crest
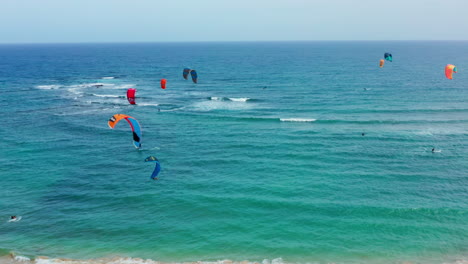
233, 99
48, 87
297, 120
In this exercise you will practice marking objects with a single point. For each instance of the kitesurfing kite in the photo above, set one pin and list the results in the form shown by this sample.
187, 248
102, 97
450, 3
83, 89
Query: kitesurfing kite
134, 125
185, 73
163, 83
388, 56
449, 70
381, 64
193, 73
131, 95
157, 169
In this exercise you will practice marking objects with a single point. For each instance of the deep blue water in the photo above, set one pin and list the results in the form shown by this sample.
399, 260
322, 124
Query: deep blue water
264, 158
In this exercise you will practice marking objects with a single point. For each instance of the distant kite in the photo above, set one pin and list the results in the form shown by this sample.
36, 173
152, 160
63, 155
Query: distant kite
192, 73
388, 56
185, 73
131, 95
449, 70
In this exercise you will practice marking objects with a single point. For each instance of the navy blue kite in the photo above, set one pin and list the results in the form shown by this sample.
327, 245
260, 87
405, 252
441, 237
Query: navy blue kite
194, 76
388, 57
185, 73
193, 73
157, 169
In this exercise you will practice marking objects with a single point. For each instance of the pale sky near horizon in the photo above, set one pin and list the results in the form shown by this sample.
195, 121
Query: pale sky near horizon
44, 21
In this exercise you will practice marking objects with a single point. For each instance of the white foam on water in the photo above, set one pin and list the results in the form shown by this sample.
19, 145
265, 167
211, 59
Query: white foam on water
92, 85
195, 93
78, 88
87, 85
75, 90
245, 99
21, 259
108, 78
109, 95
211, 105
233, 99
123, 260
108, 101
173, 110
424, 133
146, 104
297, 119
17, 219
48, 87
128, 260
447, 130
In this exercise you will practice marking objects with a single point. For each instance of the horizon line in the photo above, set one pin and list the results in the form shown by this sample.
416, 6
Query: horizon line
228, 41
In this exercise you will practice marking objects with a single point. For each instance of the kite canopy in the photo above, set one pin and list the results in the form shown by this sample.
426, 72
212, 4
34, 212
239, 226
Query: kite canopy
193, 73
131, 95
381, 64
134, 125
388, 57
449, 70
163, 83
194, 76
157, 168
185, 73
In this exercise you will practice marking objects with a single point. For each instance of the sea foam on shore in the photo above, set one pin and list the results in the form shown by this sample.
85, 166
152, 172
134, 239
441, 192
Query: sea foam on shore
13, 259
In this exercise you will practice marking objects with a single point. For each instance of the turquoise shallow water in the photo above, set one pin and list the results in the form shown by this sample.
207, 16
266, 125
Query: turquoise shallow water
262, 159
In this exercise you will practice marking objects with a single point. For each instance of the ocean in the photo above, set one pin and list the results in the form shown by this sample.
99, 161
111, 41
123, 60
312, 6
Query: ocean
283, 152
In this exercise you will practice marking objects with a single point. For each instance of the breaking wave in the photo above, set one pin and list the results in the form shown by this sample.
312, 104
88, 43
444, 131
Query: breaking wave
128, 260
47, 87
297, 119
233, 99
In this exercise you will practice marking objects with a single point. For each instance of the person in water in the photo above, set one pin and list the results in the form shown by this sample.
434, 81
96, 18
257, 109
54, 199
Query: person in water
433, 150
363, 134
13, 217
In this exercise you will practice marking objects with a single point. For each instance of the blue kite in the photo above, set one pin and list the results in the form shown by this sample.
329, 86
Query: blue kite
157, 169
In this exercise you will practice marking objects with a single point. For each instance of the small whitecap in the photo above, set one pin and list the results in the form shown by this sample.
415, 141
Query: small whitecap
47, 87
297, 119
22, 259
243, 99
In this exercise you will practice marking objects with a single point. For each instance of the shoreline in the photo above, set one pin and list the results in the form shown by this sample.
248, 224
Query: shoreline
12, 258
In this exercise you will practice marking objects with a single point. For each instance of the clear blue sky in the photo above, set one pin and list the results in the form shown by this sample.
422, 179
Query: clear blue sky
230, 20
